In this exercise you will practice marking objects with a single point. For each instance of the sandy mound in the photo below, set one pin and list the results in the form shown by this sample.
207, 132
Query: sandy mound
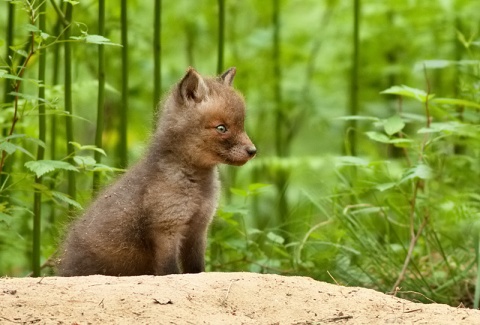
209, 298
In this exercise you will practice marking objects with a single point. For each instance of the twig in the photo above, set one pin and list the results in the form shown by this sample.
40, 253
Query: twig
12, 321
413, 242
228, 291
338, 284
414, 292
334, 319
16, 90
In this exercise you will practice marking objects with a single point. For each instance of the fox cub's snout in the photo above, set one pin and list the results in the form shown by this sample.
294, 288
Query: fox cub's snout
216, 113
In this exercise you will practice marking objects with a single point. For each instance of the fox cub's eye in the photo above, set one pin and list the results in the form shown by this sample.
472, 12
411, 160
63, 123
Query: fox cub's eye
221, 128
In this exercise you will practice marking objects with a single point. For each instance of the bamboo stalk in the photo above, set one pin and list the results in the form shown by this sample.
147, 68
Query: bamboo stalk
228, 175
122, 145
157, 55
55, 63
221, 35
277, 76
476, 299
68, 102
281, 141
458, 147
101, 93
37, 200
9, 52
351, 147
8, 86
30, 48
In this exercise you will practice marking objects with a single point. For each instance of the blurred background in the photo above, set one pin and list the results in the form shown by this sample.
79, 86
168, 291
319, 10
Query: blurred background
365, 115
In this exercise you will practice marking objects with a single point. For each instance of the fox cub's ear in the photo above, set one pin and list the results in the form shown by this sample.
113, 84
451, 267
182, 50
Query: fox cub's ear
193, 87
227, 76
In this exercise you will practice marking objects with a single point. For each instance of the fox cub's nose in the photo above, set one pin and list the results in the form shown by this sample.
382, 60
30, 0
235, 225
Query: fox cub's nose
251, 151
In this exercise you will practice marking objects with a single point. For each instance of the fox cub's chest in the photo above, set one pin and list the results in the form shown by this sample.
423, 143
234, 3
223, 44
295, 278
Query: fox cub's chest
182, 200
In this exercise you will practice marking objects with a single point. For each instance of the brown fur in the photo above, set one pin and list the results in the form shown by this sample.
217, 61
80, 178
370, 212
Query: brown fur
154, 219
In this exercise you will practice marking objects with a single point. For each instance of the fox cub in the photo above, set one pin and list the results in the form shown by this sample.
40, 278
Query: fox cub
154, 219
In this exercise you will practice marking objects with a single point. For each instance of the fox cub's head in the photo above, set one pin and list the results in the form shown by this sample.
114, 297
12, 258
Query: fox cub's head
205, 117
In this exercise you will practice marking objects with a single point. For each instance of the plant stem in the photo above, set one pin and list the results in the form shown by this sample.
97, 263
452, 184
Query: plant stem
411, 247
53, 118
419, 184
18, 83
68, 102
101, 93
122, 145
476, 299
221, 35
354, 84
157, 56
61, 16
277, 76
281, 140
215, 248
37, 200
7, 83
9, 52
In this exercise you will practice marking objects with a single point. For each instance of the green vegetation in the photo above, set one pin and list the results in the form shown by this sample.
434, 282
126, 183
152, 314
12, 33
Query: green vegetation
366, 116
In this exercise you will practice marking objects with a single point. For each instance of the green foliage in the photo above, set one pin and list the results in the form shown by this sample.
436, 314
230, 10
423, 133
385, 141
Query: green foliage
384, 197
41, 167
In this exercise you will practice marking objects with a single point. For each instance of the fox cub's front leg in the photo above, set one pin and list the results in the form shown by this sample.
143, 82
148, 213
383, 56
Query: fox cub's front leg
192, 251
166, 254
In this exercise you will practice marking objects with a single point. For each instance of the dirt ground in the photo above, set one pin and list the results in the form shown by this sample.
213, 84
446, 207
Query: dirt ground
210, 298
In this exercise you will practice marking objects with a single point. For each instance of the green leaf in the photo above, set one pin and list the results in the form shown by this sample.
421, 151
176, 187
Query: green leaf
106, 168
351, 161
457, 128
358, 118
15, 136
87, 147
31, 28
8, 147
44, 35
64, 198
5, 75
22, 53
385, 186
368, 210
98, 39
38, 142
5, 218
41, 167
239, 192
456, 102
434, 64
84, 161
401, 142
257, 186
27, 96
379, 137
421, 171
406, 91
275, 238
393, 125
